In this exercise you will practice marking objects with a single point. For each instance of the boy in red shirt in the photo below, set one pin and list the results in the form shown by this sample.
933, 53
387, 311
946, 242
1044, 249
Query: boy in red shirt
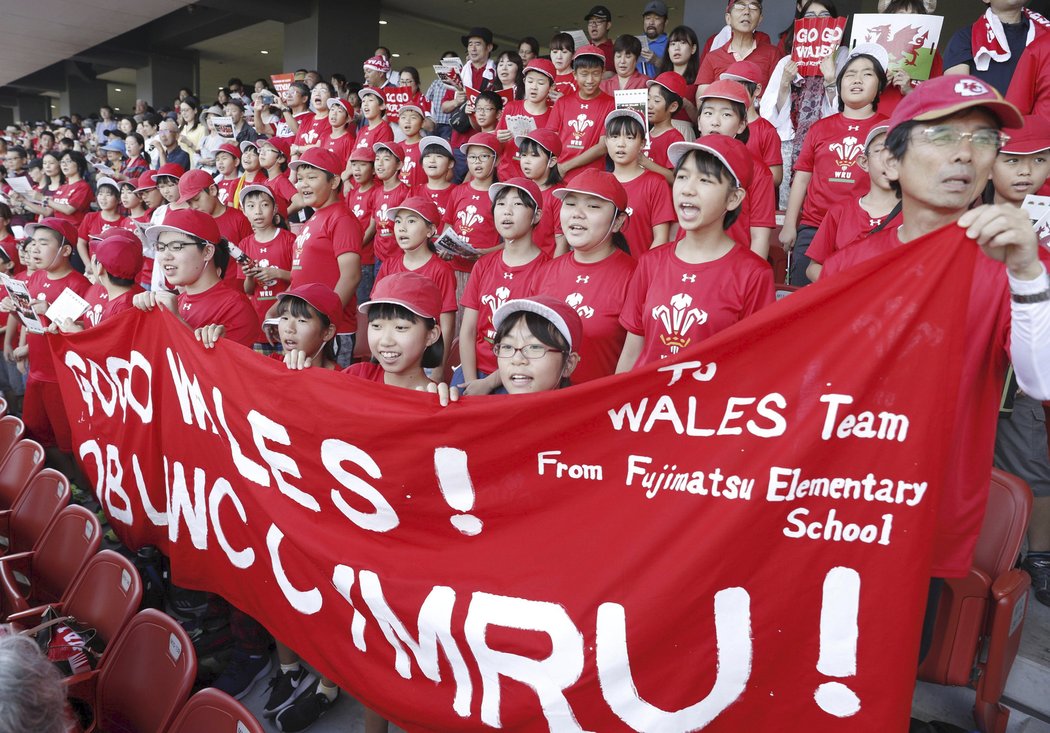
578, 117
44, 414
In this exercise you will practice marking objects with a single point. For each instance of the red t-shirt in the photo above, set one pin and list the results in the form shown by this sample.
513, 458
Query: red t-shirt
649, 205
1030, 85
597, 290
41, 287
845, 224
508, 166
228, 191
384, 246
93, 225
764, 142
658, 147
313, 129
984, 361
220, 304
469, 213
830, 153
765, 56
412, 173
434, 268
361, 204
341, 146
549, 226
580, 124
332, 231
275, 253
491, 284
368, 136
78, 195
367, 370
759, 209
674, 304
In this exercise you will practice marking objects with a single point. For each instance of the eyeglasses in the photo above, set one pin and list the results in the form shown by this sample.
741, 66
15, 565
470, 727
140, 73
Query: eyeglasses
752, 6
946, 135
479, 158
172, 246
529, 351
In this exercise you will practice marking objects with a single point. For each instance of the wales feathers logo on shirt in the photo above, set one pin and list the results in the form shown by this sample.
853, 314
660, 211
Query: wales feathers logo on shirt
677, 319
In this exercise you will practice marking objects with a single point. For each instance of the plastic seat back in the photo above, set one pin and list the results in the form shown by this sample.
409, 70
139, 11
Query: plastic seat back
11, 431
46, 495
1005, 524
214, 711
23, 462
146, 676
60, 555
105, 596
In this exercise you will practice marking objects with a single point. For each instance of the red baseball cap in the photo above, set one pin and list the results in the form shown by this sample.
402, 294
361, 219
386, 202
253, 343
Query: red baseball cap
522, 184
319, 158
146, 181
733, 154
365, 154
422, 205
734, 91
409, 290
485, 140
63, 228
590, 50
742, 71
279, 203
673, 82
396, 149
1034, 137
190, 222
120, 253
230, 148
543, 66
948, 95
193, 183
549, 140
321, 297
172, 170
602, 184
282, 145
625, 112
561, 314
340, 102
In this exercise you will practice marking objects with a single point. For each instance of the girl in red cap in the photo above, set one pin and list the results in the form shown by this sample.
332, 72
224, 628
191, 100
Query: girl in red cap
534, 105
594, 276
498, 277
538, 154
536, 344
691, 289
415, 226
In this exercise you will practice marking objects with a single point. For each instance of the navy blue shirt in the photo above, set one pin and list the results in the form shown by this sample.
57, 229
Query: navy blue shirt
960, 51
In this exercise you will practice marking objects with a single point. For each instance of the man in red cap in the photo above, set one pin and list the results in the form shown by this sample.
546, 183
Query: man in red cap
579, 118
942, 142
52, 243
198, 191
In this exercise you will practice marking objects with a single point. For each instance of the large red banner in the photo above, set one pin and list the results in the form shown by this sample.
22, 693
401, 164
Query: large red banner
730, 541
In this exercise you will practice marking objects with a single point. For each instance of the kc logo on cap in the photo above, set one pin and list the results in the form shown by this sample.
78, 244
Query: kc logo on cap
970, 88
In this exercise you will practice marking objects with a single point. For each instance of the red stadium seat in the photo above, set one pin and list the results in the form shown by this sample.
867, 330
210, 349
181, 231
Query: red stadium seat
981, 616
11, 431
52, 565
25, 522
143, 680
17, 469
214, 711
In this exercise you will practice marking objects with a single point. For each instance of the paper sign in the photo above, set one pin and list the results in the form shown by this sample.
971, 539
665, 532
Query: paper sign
223, 126
451, 243
20, 184
815, 38
909, 40
23, 303
67, 305
637, 100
